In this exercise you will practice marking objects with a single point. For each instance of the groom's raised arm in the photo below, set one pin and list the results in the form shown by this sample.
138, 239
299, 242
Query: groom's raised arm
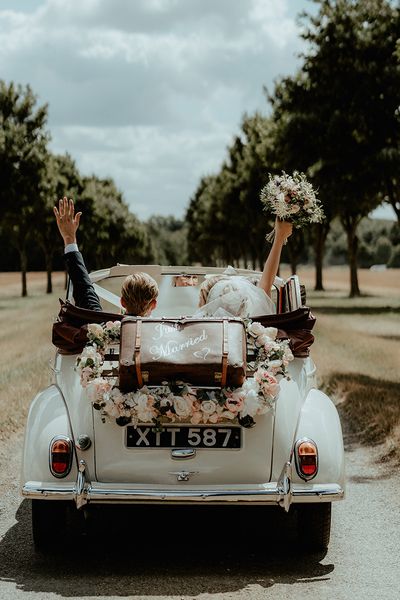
68, 223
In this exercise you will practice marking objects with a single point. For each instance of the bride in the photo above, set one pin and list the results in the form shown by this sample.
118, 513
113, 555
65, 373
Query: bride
234, 295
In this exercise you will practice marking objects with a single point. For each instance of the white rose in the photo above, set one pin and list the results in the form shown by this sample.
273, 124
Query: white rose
251, 404
274, 363
256, 329
182, 406
288, 354
208, 407
116, 395
111, 409
95, 330
166, 402
271, 332
128, 399
226, 414
250, 385
263, 340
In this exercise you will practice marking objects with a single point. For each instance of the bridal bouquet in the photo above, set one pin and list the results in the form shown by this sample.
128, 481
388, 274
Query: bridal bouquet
291, 198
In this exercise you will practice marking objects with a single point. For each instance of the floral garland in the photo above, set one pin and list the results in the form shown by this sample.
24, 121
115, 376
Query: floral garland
178, 401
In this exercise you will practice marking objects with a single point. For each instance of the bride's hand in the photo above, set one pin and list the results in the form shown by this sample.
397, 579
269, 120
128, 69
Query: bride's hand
283, 229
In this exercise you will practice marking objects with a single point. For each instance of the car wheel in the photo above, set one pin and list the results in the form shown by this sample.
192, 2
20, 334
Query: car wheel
314, 525
55, 523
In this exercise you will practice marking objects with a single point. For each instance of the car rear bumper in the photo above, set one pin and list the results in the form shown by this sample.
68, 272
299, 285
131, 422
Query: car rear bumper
266, 494
283, 492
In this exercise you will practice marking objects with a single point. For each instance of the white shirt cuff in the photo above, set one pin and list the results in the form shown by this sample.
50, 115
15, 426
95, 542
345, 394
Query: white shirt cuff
71, 248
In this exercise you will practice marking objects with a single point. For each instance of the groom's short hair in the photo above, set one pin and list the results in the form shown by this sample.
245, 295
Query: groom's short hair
138, 292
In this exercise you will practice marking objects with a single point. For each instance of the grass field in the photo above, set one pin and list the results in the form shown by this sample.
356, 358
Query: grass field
356, 349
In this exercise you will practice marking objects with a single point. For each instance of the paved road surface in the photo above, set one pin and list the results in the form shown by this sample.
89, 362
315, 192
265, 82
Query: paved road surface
229, 554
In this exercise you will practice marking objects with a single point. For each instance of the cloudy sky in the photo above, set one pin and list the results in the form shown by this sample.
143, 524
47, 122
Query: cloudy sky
149, 92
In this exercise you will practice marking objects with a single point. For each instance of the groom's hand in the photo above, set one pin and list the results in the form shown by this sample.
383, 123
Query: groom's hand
67, 220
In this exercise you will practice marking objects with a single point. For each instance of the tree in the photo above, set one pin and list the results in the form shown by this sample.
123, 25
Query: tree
346, 79
109, 233
169, 239
202, 241
296, 133
61, 179
23, 155
336, 119
226, 222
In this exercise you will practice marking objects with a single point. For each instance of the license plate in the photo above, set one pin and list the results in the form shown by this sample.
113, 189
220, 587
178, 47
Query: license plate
184, 437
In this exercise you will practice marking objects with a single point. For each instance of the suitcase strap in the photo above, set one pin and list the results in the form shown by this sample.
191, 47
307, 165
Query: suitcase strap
137, 352
224, 366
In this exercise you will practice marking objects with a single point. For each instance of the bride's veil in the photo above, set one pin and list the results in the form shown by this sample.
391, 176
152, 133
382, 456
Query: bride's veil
235, 296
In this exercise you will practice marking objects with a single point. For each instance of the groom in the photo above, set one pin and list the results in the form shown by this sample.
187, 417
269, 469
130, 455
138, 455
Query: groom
139, 291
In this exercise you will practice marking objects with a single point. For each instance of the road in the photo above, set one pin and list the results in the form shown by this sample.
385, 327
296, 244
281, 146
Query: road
227, 554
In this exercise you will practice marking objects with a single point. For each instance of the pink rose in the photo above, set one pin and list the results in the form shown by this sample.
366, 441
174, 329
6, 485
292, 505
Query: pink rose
196, 418
234, 405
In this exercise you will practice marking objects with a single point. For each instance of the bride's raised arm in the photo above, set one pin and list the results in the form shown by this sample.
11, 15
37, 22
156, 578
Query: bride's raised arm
283, 230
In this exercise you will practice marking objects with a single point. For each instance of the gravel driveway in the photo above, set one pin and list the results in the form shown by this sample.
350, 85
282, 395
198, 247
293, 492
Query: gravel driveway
231, 553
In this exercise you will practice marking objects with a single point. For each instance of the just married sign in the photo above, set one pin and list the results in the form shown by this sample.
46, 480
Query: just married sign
204, 352
166, 343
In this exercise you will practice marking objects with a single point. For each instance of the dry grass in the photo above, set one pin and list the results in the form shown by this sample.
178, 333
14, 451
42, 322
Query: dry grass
370, 412
358, 355
380, 290
358, 359
25, 338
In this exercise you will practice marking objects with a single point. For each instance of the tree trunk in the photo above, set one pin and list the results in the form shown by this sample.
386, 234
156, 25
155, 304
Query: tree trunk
49, 270
321, 235
295, 248
292, 258
350, 225
394, 199
24, 267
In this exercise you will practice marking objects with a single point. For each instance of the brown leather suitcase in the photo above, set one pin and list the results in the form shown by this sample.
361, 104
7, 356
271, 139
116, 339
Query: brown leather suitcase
201, 352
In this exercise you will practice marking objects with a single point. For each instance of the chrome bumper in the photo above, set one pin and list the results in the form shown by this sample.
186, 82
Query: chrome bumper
282, 493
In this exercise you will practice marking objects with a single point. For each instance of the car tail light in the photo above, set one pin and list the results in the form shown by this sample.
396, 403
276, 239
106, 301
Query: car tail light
60, 456
306, 453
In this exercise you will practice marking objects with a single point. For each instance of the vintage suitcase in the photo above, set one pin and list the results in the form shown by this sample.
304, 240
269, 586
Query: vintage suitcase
201, 352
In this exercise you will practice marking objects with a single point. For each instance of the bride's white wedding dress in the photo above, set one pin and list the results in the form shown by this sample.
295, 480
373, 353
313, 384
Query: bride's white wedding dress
236, 296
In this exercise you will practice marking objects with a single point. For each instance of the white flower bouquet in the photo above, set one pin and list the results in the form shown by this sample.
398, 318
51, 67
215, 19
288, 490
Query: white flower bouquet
291, 198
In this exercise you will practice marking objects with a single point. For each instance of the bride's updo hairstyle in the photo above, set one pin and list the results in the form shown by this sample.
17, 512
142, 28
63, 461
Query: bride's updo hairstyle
231, 294
209, 283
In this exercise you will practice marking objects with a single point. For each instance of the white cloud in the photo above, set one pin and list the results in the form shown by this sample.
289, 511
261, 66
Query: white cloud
150, 91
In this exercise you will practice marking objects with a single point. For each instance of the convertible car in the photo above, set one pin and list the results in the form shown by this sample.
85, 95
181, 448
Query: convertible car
142, 420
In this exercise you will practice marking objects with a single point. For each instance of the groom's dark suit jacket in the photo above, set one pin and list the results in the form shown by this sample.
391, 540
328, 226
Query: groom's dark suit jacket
84, 294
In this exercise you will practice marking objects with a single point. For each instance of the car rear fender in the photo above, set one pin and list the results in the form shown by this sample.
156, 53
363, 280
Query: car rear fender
287, 409
319, 420
48, 417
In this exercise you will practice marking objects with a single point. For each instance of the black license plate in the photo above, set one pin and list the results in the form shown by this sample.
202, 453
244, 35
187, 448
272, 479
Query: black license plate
146, 436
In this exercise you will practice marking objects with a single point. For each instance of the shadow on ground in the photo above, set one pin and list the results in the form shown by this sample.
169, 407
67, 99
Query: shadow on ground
163, 551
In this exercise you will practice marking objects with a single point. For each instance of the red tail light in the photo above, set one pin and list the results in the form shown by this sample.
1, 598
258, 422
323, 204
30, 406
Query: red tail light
60, 456
306, 458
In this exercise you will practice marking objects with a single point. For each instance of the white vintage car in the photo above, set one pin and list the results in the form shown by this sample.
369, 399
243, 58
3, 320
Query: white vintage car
75, 457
